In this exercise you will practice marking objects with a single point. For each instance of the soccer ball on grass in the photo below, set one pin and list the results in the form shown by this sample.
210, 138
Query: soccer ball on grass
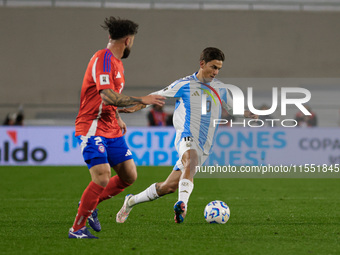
217, 212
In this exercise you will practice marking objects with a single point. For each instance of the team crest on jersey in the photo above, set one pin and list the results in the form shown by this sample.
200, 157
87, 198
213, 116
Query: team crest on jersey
104, 79
101, 148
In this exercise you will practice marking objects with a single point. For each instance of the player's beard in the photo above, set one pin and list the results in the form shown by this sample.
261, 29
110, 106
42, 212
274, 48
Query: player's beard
126, 52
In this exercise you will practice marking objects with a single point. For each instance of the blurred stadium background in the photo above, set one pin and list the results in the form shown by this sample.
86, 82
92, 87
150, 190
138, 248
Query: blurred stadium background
45, 47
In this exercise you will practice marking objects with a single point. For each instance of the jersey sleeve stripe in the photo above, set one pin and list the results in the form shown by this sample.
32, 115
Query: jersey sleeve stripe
104, 62
107, 62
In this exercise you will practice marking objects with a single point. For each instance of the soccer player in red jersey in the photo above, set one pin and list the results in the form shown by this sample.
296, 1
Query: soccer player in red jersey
99, 128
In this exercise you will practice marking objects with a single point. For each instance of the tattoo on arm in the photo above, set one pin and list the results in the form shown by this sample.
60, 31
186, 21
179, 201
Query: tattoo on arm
111, 97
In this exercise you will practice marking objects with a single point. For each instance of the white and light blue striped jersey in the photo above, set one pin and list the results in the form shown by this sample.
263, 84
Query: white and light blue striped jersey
197, 106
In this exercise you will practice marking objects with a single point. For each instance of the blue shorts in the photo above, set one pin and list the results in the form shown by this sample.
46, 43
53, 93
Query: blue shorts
100, 150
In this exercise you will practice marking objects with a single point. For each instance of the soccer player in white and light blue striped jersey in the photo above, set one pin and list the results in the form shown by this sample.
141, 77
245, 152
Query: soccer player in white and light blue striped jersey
200, 98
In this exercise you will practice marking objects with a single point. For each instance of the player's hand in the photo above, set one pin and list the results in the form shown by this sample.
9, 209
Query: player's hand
249, 114
122, 125
153, 99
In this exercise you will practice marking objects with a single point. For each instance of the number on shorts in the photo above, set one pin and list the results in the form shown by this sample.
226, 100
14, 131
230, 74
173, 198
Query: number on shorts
98, 140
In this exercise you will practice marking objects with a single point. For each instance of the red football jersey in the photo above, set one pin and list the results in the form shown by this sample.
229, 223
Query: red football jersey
95, 118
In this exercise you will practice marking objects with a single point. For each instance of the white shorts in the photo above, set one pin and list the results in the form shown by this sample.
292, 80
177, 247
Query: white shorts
187, 143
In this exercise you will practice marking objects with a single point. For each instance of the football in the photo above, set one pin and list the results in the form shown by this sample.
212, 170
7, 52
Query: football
217, 212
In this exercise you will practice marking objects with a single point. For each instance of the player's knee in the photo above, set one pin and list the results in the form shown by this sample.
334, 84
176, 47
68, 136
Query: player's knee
190, 165
100, 175
131, 178
102, 180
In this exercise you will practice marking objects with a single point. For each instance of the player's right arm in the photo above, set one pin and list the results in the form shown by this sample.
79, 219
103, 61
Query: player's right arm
173, 90
101, 70
110, 97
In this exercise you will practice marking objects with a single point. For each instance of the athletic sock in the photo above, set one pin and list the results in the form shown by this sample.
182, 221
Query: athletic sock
185, 188
88, 203
114, 187
147, 195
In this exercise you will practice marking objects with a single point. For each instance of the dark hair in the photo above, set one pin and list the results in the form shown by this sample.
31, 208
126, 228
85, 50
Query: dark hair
211, 53
119, 28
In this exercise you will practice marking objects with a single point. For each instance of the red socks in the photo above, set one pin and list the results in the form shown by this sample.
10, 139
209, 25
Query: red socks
95, 194
114, 187
89, 201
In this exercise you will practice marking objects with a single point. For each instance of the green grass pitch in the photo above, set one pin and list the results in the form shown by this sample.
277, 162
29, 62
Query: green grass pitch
268, 216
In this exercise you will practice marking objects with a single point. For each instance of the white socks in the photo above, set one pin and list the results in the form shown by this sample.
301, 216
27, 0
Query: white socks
147, 195
185, 188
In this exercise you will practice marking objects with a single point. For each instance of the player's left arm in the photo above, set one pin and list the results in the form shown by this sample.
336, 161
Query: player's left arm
249, 114
121, 123
229, 107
